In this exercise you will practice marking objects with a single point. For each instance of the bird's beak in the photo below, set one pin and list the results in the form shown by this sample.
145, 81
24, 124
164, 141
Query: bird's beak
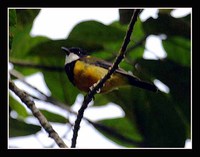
66, 50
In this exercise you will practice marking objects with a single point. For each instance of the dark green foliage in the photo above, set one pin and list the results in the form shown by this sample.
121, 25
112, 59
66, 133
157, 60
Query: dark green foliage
151, 119
16, 106
53, 117
166, 24
12, 26
20, 128
120, 130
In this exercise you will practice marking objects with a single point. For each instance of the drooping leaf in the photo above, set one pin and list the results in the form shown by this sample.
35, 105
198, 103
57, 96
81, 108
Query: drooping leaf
16, 106
166, 24
20, 128
176, 47
53, 117
50, 54
96, 32
96, 41
162, 119
119, 130
22, 44
22, 41
154, 115
61, 88
176, 77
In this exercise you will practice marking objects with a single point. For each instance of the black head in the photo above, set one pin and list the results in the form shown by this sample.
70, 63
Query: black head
73, 54
78, 51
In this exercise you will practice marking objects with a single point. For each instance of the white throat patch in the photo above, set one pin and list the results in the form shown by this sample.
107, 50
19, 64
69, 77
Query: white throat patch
72, 57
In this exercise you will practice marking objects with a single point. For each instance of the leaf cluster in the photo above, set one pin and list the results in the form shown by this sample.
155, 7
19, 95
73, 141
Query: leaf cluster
151, 119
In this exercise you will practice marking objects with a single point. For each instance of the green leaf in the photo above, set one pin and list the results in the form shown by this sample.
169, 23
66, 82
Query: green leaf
26, 16
177, 78
20, 128
12, 17
135, 53
154, 115
161, 123
176, 47
50, 54
138, 32
96, 32
118, 25
138, 35
53, 117
119, 130
19, 108
61, 88
22, 41
100, 100
166, 24
12, 25
105, 54
21, 47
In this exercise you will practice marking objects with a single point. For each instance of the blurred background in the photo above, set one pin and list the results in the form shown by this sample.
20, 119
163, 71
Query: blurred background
159, 52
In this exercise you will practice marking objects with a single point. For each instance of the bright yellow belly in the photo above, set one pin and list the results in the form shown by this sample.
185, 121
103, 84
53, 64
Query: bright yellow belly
86, 75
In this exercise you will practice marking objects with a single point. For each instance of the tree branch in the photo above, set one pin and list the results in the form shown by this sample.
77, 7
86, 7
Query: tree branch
45, 97
36, 66
36, 112
97, 87
53, 101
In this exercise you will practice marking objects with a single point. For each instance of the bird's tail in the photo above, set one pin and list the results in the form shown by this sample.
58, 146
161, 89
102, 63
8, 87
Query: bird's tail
141, 84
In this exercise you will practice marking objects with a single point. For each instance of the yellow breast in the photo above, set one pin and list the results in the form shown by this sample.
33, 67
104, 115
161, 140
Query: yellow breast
85, 75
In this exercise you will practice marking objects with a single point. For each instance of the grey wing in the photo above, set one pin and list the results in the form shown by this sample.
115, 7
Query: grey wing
133, 79
105, 64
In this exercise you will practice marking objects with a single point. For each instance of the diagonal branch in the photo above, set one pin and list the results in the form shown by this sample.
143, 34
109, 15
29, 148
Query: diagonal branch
36, 112
42, 96
97, 87
53, 101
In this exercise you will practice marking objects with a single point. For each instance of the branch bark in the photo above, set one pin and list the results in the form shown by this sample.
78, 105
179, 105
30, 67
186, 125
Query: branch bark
53, 101
97, 87
36, 112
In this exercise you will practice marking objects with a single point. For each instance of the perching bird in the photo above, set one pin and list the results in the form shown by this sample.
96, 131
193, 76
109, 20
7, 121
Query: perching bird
84, 71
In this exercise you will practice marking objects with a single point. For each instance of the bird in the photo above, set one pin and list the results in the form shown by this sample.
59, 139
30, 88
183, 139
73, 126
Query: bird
84, 71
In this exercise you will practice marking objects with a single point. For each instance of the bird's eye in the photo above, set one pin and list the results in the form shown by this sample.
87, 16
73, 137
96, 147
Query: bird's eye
77, 51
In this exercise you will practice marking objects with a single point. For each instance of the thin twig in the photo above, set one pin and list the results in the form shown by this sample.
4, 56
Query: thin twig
128, 50
16, 74
45, 97
36, 112
100, 84
53, 101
